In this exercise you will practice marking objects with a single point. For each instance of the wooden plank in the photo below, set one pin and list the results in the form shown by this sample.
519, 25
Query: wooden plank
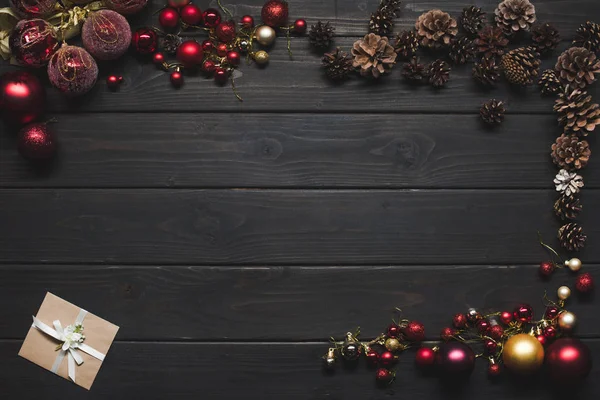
293, 150
278, 303
281, 227
259, 371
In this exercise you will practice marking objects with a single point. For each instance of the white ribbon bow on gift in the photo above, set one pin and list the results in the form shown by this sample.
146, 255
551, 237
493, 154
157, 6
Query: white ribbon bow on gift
72, 341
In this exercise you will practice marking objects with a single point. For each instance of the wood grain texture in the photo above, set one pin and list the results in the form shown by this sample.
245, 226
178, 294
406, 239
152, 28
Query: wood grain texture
185, 303
272, 227
260, 371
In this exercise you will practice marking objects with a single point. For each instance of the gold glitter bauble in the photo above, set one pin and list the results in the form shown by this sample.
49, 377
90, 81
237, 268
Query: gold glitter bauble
261, 57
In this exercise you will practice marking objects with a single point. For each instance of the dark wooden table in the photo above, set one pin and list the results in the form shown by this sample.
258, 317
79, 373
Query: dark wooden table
229, 240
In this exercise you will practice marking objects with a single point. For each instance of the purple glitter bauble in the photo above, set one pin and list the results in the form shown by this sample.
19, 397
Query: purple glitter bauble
126, 7
33, 8
106, 34
33, 42
72, 70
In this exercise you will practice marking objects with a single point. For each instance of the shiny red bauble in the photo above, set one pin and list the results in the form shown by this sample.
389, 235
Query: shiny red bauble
372, 357
275, 13
221, 75
414, 331
113, 81
455, 360
209, 66
176, 78
490, 347
178, 3
233, 58
247, 21
546, 269
222, 49
506, 317
33, 8
158, 58
447, 334
168, 18
225, 31
36, 142
211, 18
190, 53
568, 361
300, 26
495, 332
144, 41
425, 357
393, 330
387, 358
551, 312
494, 370
208, 46
459, 321
33, 42
482, 326
384, 375
584, 283
542, 339
191, 14
22, 97
523, 313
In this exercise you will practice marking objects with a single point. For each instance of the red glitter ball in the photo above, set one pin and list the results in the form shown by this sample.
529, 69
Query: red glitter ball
584, 283
36, 142
494, 370
425, 357
551, 312
387, 358
459, 321
490, 347
414, 331
275, 13
523, 313
191, 14
208, 66
496, 332
506, 317
211, 17
383, 375
447, 334
33, 42
546, 269
247, 21
225, 31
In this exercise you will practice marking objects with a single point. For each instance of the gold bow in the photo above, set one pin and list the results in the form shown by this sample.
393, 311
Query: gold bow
70, 17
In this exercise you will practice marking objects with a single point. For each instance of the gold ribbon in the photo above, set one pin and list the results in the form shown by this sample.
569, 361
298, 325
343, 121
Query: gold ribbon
8, 20
70, 17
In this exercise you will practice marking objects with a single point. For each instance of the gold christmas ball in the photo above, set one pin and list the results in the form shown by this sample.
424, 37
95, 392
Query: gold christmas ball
392, 344
574, 264
563, 292
523, 354
567, 321
261, 57
265, 35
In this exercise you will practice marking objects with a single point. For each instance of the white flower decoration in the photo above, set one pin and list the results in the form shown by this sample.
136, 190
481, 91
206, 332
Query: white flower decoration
568, 182
72, 336
8, 20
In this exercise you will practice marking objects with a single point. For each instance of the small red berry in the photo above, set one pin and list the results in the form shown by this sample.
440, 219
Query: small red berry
584, 283
414, 331
158, 58
211, 17
425, 357
483, 326
300, 26
494, 370
495, 332
113, 81
208, 46
459, 321
550, 332
176, 78
447, 334
523, 313
387, 358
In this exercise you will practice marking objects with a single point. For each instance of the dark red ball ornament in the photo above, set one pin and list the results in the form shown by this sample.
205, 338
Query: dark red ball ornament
191, 14
33, 8
455, 360
387, 358
300, 26
190, 53
506, 317
36, 142
144, 41
384, 375
546, 269
22, 97
447, 334
495, 332
275, 13
483, 326
225, 31
158, 58
414, 331
247, 21
542, 339
176, 78
208, 46
568, 361
584, 283
208, 66
551, 312
393, 330
113, 81
221, 75
211, 18
459, 321
178, 3
523, 313
233, 58
425, 357
494, 370
222, 49
33, 42
168, 18
372, 357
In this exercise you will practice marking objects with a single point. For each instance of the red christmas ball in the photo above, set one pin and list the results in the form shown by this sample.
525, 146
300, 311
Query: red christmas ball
425, 357
22, 97
275, 13
542, 339
113, 81
225, 31
414, 331
483, 325
584, 283
144, 41
568, 361
106, 34
393, 330
168, 18
189, 53
506, 317
300, 26
221, 75
494, 370
211, 17
33, 42
495, 332
384, 375
176, 78
178, 3
455, 360
233, 58
33, 8
158, 58
208, 66
459, 321
546, 269
72, 70
247, 21
447, 334
387, 358
523, 313
551, 312
372, 357
191, 14
222, 49
208, 46
550, 332
36, 142
490, 347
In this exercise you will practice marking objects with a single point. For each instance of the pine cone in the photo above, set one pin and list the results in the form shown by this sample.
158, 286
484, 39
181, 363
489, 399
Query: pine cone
373, 55
439, 73
568, 183
491, 41
549, 82
407, 44
588, 36
413, 71
321, 35
170, 43
572, 237
521, 66
462, 50
515, 15
492, 112
567, 207
545, 37
472, 20
436, 28
382, 20
571, 153
577, 67
576, 112
486, 72
338, 65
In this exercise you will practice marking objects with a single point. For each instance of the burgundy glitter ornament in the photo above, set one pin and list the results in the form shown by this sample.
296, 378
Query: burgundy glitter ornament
33, 8
225, 31
425, 357
126, 7
447, 334
506, 317
393, 330
106, 34
455, 360
247, 21
387, 358
459, 321
191, 14
275, 13
384, 375
495, 332
414, 331
523, 313
72, 70
22, 97
168, 18
36, 142
300, 26
190, 53
568, 361
211, 17
208, 66
584, 283
144, 41
32, 42
551, 312
546, 269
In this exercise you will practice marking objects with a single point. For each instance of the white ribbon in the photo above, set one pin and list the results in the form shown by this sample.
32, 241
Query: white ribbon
68, 348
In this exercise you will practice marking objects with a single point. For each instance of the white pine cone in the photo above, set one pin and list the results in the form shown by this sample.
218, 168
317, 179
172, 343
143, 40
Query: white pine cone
568, 182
